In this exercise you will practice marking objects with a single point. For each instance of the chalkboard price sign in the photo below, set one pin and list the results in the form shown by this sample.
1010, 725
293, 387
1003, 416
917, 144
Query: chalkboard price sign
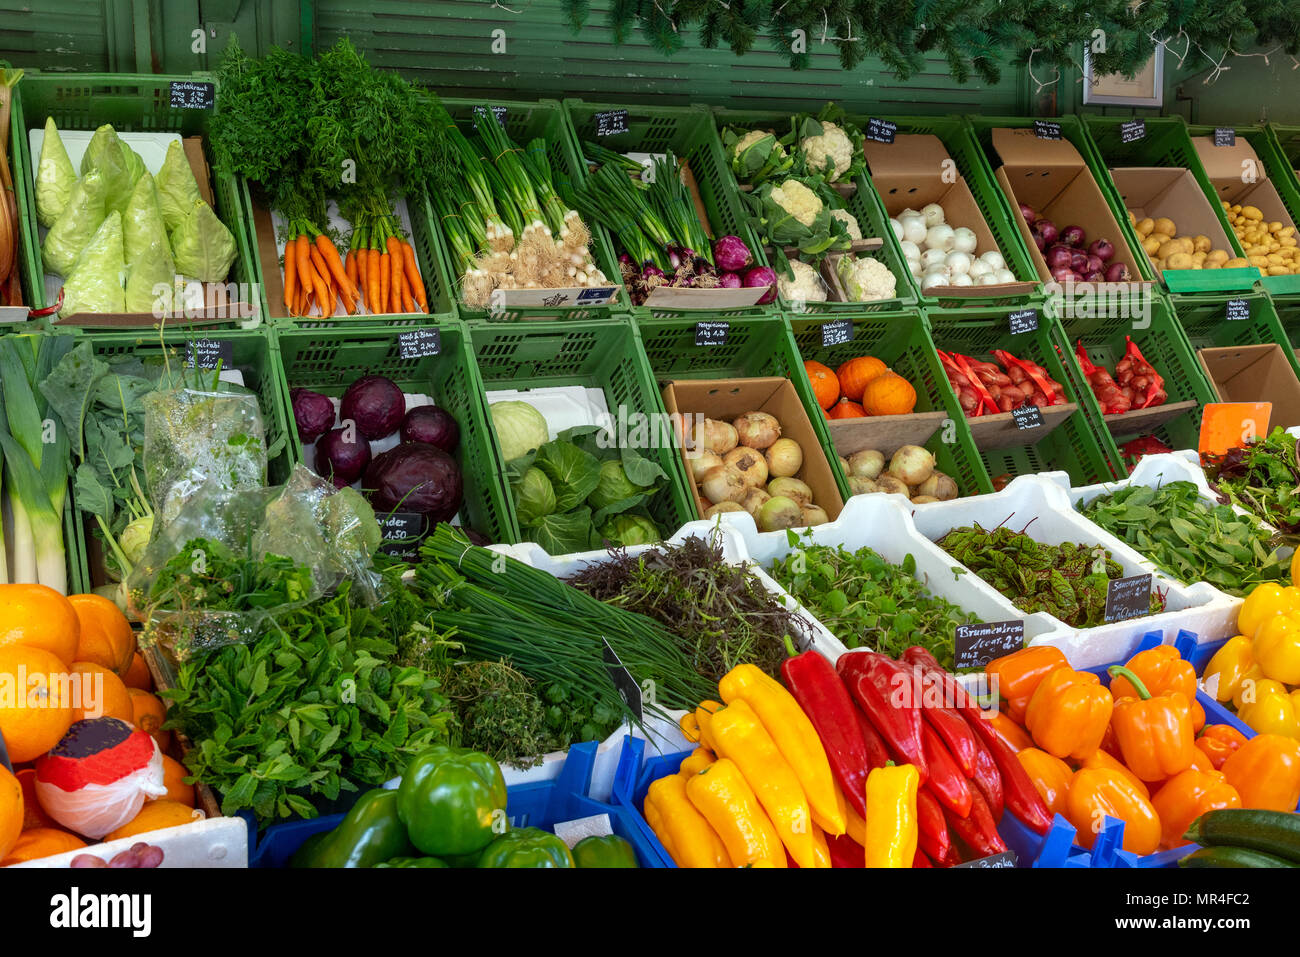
192, 95
880, 131
1027, 417
837, 332
1128, 597
1047, 130
418, 343
209, 353
977, 645
611, 122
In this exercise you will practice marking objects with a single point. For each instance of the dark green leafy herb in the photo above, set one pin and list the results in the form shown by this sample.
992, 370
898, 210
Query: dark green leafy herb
867, 601
1263, 478
1068, 581
1190, 539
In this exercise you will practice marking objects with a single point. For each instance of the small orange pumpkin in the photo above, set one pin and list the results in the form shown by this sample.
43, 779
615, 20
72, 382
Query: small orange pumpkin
826, 388
889, 394
856, 373
845, 409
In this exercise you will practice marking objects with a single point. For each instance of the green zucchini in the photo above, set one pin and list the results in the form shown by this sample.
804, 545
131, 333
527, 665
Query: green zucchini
1273, 832
1224, 856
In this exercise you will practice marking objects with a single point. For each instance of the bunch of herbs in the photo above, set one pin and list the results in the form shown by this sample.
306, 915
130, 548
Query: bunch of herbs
1262, 477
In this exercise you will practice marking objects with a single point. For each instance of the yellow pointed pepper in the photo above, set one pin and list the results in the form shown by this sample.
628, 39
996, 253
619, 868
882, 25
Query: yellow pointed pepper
692, 841
823, 851
703, 715
1229, 666
1272, 713
856, 825
1277, 649
794, 735
721, 794
696, 761
891, 816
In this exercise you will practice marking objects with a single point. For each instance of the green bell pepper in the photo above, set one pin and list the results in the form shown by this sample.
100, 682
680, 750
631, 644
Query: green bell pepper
608, 851
412, 862
369, 833
527, 847
452, 801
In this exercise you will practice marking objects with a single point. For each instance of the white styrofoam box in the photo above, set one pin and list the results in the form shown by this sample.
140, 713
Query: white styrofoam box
211, 842
1042, 502
563, 407
884, 523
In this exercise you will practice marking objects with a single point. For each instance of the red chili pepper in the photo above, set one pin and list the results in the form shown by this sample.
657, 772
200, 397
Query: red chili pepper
874, 680
845, 852
978, 831
945, 781
920, 860
824, 699
988, 779
959, 739
877, 752
932, 829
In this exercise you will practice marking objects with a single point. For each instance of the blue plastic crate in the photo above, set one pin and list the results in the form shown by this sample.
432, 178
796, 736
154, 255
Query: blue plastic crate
542, 805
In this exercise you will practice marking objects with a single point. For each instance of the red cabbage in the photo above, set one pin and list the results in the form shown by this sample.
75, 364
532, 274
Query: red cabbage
415, 477
428, 423
338, 459
375, 404
313, 414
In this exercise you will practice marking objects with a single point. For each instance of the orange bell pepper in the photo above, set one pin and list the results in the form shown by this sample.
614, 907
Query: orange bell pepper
1188, 795
1163, 670
1155, 732
1019, 673
1218, 741
1068, 713
1104, 759
1266, 772
1049, 774
1098, 793
1014, 735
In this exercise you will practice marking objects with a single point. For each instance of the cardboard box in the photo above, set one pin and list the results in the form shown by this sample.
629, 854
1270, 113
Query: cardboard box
1254, 374
1053, 178
1228, 166
910, 173
1156, 191
728, 399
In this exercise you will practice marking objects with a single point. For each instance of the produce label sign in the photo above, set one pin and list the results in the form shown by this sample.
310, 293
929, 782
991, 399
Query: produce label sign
1132, 131
1238, 309
1047, 130
401, 532
1023, 320
192, 95
1225, 136
627, 687
977, 645
837, 332
711, 333
208, 353
611, 122
880, 131
418, 343
1027, 417
498, 111
1005, 859
1128, 597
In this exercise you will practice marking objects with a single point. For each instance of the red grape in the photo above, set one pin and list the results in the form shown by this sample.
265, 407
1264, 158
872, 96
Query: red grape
87, 860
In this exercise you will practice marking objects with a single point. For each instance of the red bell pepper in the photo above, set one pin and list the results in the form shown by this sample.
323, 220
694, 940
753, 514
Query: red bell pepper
883, 689
845, 852
932, 829
977, 831
945, 781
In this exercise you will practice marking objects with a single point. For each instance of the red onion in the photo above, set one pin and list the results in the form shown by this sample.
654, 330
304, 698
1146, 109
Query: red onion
1064, 274
1117, 272
1058, 257
1095, 264
1048, 230
1073, 236
1028, 213
1095, 276
1102, 249
1079, 261
731, 254
762, 276
729, 280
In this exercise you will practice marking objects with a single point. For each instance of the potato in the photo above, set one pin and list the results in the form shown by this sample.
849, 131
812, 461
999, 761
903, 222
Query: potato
1211, 264
1145, 227
1173, 247
1166, 225
1180, 261
1160, 237
1217, 255
1236, 263
1202, 244
1151, 246
1252, 212
1199, 257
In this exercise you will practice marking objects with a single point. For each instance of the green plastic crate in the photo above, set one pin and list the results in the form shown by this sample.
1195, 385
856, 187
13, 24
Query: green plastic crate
1287, 141
1288, 321
1205, 324
865, 206
131, 103
1281, 173
253, 354
756, 346
902, 341
957, 139
1164, 344
525, 121
687, 131
328, 361
1167, 144
595, 354
1081, 445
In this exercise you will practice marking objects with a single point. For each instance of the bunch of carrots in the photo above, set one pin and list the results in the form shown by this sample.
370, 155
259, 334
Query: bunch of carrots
379, 275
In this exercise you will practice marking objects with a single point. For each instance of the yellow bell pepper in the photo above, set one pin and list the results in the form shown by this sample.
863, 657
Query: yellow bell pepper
1272, 713
1230, 665
1254, 689
795, 737
1277, 649
892, 829
745, 741
721, 794
696, 761
1263, 602
703, 715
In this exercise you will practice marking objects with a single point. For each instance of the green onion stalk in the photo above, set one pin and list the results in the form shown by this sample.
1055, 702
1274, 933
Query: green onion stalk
497, 234
676, 207
506, 158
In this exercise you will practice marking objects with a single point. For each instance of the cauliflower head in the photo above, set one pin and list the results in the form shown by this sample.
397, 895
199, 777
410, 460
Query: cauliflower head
866, 279
798, 200
850, 222
805, 285
749, 139
831, 152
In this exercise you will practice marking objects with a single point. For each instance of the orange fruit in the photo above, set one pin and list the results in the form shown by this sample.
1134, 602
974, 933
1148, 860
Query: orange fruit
174, 774
38, 616
150, 713
106, 635
138, 676
33, 814
41, 842
11, 810
102, 694
154, 816
35, 700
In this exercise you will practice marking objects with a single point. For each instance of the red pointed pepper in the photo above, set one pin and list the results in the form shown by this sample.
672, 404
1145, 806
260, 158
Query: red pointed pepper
945, 781
978, 831
884, 689
877, 752
932, 829
845, 852
920, 860
957, 737
988, 779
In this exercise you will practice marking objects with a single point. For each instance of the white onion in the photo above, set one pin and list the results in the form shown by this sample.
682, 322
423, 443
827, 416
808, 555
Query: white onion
933, 279
909, 212
914, 266
897, 227
1005, 275
962, 280
939, 237
994, 259
978, 268
987, 279
957, 264
963, 240
933, 214
913, 229
932, 260
910, 249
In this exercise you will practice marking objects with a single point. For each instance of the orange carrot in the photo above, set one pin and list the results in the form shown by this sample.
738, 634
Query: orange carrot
290, 279
301, 245
395, 263
330, 255
413, 276
363, 270
318, 263
376, 301
385, 275
350, 266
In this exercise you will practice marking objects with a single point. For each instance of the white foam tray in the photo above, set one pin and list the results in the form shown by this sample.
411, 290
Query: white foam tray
210, 842
563, 407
